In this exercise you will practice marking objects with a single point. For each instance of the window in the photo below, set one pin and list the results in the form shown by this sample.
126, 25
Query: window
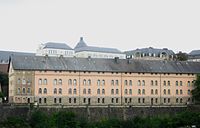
60, 81
188, 91
112, 100
70, 100
45, 100
130, 100
98, 100
152, 91
84, 100
181, 83
29, 91
168, 83
60, 91
89, 82
151, 82
130, 91
156, 91
40, 81
18, 91
98, 82
143, 100
176, 91
125, 100
139, 91
98, 91
126, 91
84, 91
138, 100
74, 100
125, 82
18, 81
168, 91
103, 100
188, 83
74, 91
164, 100
130, 82
156, 82
164, 83
176, 83
70, 91
117, 82
139, 83
181, 100
84, 82
143, 83
60, 100
164, 92
23, 81
112, 82
55, 91
112, 91
40, 91
45, 91
156, 100
143, 91
103, 82
181, 92
45, 82
75, 82
69, 82
89, 91
55, 82
117, 100
103, 91
117, 91
168, 100
40, 100
55, 100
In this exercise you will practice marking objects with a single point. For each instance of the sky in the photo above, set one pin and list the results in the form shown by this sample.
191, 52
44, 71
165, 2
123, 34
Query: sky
122, 24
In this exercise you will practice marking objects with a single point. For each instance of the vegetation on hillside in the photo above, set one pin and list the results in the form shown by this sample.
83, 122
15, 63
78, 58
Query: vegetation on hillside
63, 119
196, 90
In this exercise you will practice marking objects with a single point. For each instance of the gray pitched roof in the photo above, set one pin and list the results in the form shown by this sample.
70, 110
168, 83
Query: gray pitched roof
57, 46
195, 52
150, 50
105, 65
82, 46
5, 55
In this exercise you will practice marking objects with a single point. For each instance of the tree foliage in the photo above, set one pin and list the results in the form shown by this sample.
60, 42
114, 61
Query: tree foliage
196, 90
181, 56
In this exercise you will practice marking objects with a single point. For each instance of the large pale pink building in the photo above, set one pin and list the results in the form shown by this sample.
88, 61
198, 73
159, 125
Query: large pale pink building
89, 81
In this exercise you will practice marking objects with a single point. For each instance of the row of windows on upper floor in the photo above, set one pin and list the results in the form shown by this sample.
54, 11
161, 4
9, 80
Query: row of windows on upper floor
116, 91
113, 82
113, 100
24, 81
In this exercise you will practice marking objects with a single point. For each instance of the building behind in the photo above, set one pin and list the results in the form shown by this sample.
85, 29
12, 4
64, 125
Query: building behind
194, 56
92, 81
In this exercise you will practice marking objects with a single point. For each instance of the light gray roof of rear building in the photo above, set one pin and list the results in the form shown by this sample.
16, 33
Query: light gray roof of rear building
57, 46
195, 52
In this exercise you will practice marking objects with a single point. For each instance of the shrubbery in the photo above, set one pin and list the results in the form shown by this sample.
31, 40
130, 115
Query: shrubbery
63, 119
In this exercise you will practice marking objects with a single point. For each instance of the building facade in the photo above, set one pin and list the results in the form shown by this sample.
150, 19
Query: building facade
88, 81
194, 56
151, 54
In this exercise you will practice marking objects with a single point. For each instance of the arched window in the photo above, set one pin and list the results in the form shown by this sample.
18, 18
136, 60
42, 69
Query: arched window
55, 91
98, 82
143, 83
164, 83
89, 91
70, 82
28, 90
181, 100
55, 82
84, 82
112, 82
60, 91
176, 83
189, 91
152, 82
89, 82
176, 91
103, 100
74, 91
98, 91
156, 91
40, 100
181, 92
75, 82
45, 100
40, 91
117, 82
152, 91
24, 81
40, 81
125, 82
103, 82
74, 100
18, 90
45, 91
164, 92
98, 100
168, 83
45, 81
117, 91
181, 83
84, 91
126, 91
139, 83
18, 81
130, 91
112, 91
139, 100
139, 91
176, 100
143, 91
60, 81
130, 82
168, 91
156, 82
70, 100
70, 91
103, 91
188, 83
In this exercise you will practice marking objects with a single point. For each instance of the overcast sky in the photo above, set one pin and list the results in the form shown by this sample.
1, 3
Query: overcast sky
122, 24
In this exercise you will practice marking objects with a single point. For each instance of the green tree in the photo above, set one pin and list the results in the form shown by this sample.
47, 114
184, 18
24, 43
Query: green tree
196, 90
181, 56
